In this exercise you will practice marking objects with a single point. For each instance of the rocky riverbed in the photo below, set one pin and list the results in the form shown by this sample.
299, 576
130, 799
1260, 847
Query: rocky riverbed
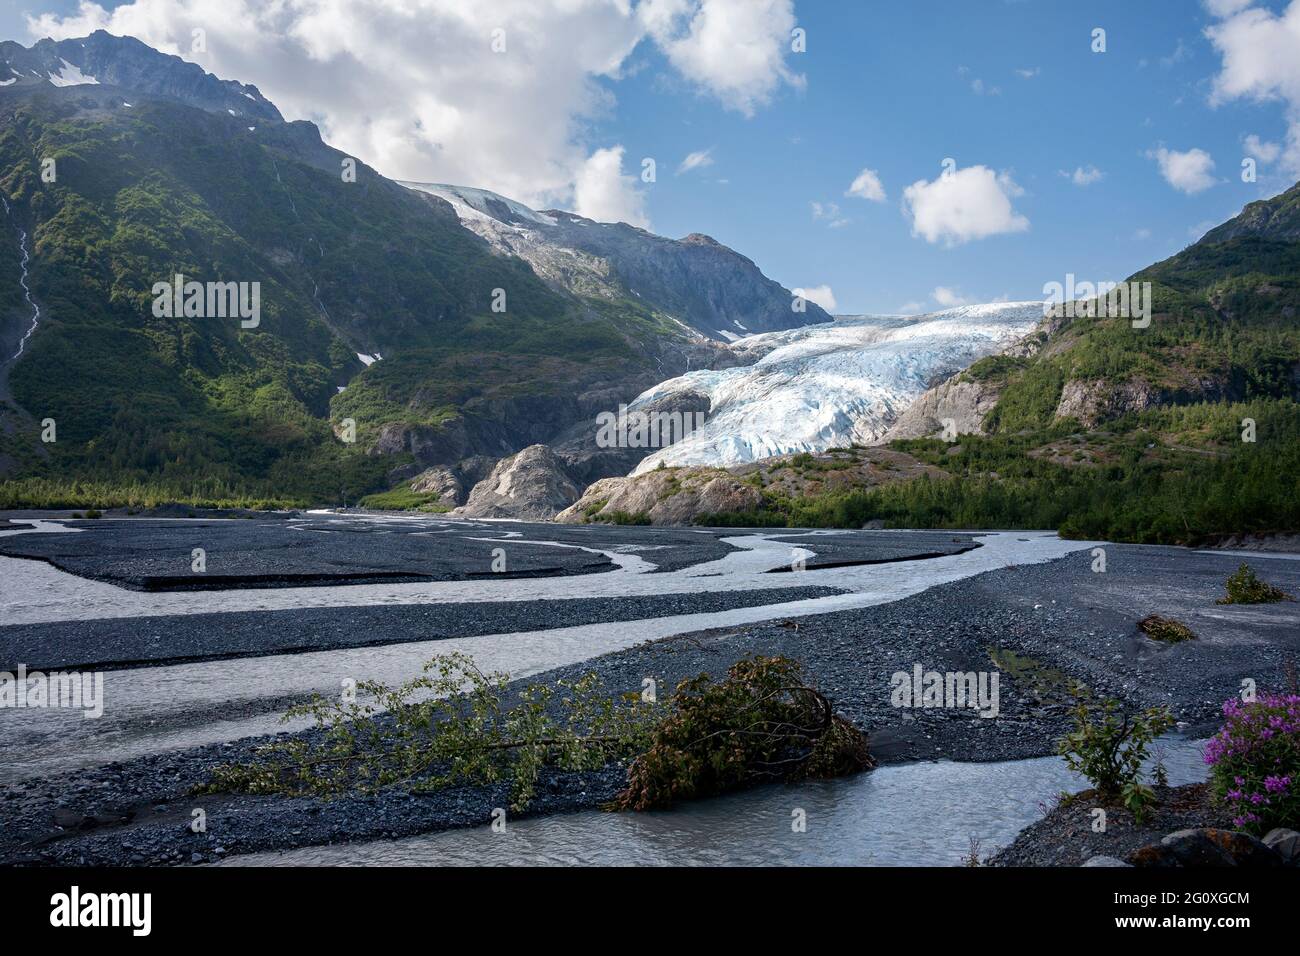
1039, 625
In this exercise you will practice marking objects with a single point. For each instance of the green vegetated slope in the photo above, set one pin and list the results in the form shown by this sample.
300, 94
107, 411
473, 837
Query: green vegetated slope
198, 409
1130, 434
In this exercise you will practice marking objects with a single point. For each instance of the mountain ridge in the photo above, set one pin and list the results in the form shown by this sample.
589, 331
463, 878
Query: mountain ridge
697, 280
171, 179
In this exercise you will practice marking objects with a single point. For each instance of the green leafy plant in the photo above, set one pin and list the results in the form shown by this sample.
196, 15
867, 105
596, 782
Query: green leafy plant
1245, 587
448, 726
1109, 745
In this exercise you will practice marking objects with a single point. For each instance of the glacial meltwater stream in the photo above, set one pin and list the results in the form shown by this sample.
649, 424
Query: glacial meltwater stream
27, 292
920, 814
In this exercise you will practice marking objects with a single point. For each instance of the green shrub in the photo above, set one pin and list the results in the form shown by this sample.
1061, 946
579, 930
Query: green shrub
761, 723
623, 517
1244, 587
1108, 748
402, 498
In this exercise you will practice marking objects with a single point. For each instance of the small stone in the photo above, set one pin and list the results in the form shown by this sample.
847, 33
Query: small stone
1286, 843
1106, 861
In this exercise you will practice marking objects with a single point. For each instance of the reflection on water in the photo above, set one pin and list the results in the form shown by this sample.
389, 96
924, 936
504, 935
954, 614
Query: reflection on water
910, 815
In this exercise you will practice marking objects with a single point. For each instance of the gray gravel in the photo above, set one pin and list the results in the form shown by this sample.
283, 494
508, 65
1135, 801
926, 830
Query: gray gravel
1060, 619
117, 643
1065, 836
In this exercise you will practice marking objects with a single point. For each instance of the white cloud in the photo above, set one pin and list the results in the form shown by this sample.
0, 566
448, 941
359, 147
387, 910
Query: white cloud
1260, 53
602, 191
1082, 176
696, 160
867, 185
829, 211
1190, 172
820, 294
977, 85
1028, 74
948, 298
911, 308
1180, 54
733, 49
414, 88
970, 203
1265, 152
1226, 8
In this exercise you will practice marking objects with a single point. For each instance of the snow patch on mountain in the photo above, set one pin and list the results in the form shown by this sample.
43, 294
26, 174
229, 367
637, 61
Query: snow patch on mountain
831, 385
71, 75
480, 204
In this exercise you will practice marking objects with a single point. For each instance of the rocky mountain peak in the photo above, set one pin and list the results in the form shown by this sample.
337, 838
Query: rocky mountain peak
1277, 218
108, 60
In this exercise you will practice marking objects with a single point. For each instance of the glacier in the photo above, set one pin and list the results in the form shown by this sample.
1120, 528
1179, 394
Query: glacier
830, 385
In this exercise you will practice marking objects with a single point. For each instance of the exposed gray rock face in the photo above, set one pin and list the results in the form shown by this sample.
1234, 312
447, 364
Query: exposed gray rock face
664, 497
695, 280
1092, 402
126, 62
531, 485
965, 403
442, 481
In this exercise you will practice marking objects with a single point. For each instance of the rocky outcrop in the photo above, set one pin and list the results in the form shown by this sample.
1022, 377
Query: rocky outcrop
1094, 401
531, 484
441, 481
1276, 219
963, 402
666, 497
683, 496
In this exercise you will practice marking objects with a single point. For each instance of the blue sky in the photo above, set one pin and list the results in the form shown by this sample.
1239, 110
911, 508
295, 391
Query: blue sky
896, 88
